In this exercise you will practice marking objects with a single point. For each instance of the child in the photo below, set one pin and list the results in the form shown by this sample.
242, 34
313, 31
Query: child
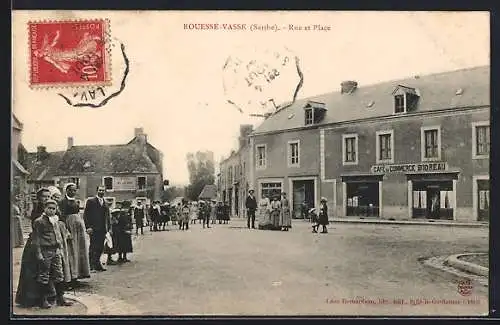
185, 212
124, 236
323, 215
48, 243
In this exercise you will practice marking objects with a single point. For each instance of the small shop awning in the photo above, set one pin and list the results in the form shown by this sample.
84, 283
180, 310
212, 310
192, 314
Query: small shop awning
19, 167
433, 176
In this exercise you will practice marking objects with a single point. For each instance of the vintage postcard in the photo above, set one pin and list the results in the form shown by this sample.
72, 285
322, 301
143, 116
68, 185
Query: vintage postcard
250, 163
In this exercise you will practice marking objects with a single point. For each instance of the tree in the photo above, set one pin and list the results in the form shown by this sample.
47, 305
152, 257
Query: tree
201, 172
172, 192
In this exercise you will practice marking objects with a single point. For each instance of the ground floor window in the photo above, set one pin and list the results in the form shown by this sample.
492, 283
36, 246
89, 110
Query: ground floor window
270, 189
362, 199
433, 199
483, 200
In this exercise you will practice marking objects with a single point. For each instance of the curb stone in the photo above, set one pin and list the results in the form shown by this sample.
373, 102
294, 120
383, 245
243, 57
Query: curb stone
437, 265
102, 305
408, 222
467, 266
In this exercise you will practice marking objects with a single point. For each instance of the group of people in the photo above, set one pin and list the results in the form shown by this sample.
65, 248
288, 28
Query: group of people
58, 251
206, 212
276, 214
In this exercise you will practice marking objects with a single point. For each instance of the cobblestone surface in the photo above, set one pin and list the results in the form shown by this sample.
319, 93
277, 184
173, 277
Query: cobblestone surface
355, 269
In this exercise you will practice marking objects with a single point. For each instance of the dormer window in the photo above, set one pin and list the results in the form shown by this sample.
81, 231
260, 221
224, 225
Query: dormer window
309, 116
314, 112
405, 99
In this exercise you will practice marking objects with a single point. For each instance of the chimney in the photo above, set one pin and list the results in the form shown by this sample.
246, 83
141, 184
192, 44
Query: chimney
41, 153
140, 135
245, 131
70, 142
348, 86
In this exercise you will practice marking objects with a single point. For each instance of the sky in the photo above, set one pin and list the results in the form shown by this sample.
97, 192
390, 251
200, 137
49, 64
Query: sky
175, 88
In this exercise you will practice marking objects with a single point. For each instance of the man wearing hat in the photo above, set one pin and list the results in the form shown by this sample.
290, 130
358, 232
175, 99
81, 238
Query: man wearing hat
251, 205
47, 240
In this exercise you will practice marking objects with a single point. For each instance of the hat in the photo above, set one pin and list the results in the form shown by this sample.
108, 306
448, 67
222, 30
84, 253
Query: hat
251, 191
115, 210
54, 190
68, 185
323, 199
50, 201
43, 189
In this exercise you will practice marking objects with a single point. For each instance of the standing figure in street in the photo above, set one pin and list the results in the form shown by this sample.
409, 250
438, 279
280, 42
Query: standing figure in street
28, 292
206, 213
285, 215
275, 212
323, 215
227, 213
265, 213
97, 221
110, 251
219, 211
124, 236
251, 205
48, 242
303, 210
78, 253
201, 211
213, 215
193, 216
178, 212
16, 226
155, 213
139, 214
66, 238
185, 213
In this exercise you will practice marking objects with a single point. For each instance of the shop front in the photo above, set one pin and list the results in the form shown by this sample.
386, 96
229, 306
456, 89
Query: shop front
362, 195
432, 196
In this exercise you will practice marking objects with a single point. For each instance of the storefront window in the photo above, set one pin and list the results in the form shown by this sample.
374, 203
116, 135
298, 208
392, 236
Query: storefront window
420, 199
270, 189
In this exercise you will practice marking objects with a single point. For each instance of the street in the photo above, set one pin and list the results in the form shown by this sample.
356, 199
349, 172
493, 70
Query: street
231, 270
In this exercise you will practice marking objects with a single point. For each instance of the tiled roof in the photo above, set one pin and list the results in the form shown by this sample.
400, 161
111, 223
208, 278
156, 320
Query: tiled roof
437, 91
16, 123
208, 192
45, 168
106, 159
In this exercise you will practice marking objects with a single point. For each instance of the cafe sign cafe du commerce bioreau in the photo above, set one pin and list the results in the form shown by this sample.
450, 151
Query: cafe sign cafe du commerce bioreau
410, 168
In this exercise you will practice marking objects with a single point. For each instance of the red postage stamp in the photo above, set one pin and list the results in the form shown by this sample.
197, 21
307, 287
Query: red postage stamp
69, 53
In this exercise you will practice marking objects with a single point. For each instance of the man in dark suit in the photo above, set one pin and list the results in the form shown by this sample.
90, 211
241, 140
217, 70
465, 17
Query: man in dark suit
98, 223
251, 205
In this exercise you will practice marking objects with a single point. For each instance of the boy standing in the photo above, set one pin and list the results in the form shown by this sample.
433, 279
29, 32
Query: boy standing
48, 242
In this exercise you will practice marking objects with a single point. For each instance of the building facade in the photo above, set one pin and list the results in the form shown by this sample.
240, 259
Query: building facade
404, 149
19, 174
233, 184
131, 171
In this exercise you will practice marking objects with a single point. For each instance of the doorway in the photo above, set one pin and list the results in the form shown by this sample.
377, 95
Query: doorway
362, 199
303, 198
433, 200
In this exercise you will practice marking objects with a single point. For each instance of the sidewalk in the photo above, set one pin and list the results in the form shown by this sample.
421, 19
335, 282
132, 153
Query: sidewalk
426, 222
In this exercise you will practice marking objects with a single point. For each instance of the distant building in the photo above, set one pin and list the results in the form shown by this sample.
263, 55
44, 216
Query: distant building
131, 171
209, 193
19, 174
232, 180
412, 148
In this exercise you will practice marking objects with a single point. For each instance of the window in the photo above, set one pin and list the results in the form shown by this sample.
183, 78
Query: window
293, 153
141, 182
309, 116
399, 103
350, 149
430, 143
480, 140
261, 156
108, 183
75, 180
270, 189
385, 146
230, 177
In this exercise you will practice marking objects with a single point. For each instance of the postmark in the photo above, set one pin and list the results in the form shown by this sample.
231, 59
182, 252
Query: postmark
260, 82
465, 287
69, 53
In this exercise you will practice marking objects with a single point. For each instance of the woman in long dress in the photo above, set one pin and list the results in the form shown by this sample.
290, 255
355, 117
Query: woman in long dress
285, 216
16, 227
124, 236
275, 212
193, 213
323, 215
78, 248
28, 293
264, 212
